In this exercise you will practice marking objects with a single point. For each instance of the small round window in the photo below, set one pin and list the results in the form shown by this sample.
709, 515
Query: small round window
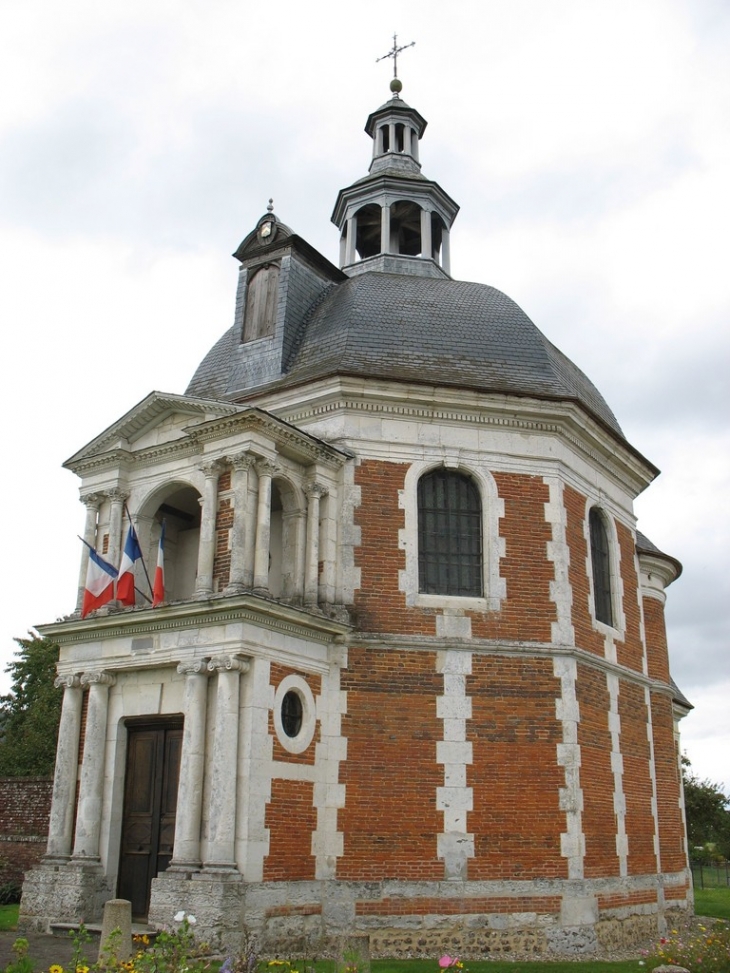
291, 713
295, 713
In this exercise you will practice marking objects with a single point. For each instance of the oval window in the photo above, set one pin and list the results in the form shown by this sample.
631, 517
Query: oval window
291, 713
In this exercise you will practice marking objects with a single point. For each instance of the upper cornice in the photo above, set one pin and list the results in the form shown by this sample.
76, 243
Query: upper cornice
219, 421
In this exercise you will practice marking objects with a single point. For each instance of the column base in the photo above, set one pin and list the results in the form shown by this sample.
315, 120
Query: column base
70, 891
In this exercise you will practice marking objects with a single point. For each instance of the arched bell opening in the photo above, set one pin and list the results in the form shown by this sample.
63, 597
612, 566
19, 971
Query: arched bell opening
178, 505
286, 542
367, 243
405, 228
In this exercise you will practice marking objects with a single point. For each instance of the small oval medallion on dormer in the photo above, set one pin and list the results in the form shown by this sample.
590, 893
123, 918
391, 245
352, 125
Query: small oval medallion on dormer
267, 231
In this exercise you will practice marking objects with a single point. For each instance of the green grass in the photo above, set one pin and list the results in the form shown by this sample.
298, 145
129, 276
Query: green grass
8, 917
713, 902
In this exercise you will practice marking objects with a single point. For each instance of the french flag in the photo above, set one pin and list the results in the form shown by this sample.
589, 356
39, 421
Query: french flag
100, 576
125, 582
158, 589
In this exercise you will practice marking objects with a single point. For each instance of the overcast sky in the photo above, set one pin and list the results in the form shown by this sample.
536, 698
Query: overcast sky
586, 141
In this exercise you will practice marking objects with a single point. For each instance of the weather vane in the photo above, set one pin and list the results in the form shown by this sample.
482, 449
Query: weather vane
394, 52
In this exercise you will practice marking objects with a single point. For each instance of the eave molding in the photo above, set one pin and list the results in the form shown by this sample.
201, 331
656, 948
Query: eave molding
565, 419
220, 609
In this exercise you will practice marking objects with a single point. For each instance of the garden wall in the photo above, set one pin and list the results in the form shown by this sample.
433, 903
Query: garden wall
25, 807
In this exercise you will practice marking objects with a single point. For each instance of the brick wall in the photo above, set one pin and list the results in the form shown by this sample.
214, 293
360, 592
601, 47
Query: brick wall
223, 524
637, 778
25, 807
514, 733
585, 635
630, 652
390, 820
671, 826
656, 639
596, 774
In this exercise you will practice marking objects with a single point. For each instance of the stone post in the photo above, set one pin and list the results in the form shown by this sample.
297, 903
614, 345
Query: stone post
263, 528
445, 251
88, 817
209, 513
385, 228
60, 825
221, 853
350, 249
116, 932
311, 567
426, 241
92, 502
186, 848
241, 577
116, 498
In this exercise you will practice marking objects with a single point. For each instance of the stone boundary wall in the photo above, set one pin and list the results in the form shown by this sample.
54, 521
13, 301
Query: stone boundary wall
25, 807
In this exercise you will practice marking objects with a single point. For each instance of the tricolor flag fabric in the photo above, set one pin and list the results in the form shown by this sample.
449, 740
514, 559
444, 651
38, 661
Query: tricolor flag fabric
158, 588
100, 577
125, 582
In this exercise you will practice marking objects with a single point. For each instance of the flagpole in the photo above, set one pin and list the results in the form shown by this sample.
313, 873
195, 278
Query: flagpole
141, 555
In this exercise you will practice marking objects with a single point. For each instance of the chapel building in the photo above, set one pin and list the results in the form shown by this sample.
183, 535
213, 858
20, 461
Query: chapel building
410, 680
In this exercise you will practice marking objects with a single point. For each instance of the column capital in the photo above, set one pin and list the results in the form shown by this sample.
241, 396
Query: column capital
98, 679
68, 682
242, 461
92, 500
313, 488
211, 468
117, 495
229, 663
266, 468
195, 667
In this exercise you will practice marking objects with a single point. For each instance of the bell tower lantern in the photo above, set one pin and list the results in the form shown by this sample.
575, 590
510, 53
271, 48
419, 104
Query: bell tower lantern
395, 220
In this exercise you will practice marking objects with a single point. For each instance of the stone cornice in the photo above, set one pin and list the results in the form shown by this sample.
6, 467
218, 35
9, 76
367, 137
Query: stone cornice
297, 622
286, 437
502, 647
563, 418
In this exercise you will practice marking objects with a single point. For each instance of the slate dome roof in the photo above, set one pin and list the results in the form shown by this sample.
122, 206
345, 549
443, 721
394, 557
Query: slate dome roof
426, 330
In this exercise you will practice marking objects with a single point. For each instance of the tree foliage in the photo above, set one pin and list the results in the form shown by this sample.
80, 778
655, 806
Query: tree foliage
30, 712
708, 813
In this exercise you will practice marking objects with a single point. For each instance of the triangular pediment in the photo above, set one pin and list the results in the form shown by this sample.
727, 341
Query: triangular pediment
164, 424
158, 412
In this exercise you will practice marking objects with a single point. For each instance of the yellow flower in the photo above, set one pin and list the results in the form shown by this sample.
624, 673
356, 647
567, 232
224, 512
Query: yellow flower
55, 968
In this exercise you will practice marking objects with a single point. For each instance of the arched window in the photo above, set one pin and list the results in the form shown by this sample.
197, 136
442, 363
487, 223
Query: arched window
449, 535
601, 562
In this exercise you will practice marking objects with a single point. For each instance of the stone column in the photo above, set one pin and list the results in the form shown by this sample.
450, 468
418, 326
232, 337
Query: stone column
445, 250
426, 242
186, 849
88, 816
93, 502
385, 228
350, 251
241, 577
221, 851
263, 527
414, 144
116, 498
311, 566
209, 513
60, 825
391, 137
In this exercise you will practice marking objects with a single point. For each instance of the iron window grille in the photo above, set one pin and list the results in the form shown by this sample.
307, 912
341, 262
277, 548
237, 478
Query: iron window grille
449, 535
601, 562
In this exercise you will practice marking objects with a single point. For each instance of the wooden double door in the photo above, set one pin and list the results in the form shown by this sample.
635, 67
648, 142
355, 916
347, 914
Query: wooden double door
150, 803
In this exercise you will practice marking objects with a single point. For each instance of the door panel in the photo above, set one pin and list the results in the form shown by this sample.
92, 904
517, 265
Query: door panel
150, 800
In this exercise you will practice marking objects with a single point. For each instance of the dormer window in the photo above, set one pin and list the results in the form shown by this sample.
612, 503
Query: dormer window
261, 295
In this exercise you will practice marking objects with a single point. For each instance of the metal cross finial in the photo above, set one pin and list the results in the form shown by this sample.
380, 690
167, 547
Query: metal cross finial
394, 52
